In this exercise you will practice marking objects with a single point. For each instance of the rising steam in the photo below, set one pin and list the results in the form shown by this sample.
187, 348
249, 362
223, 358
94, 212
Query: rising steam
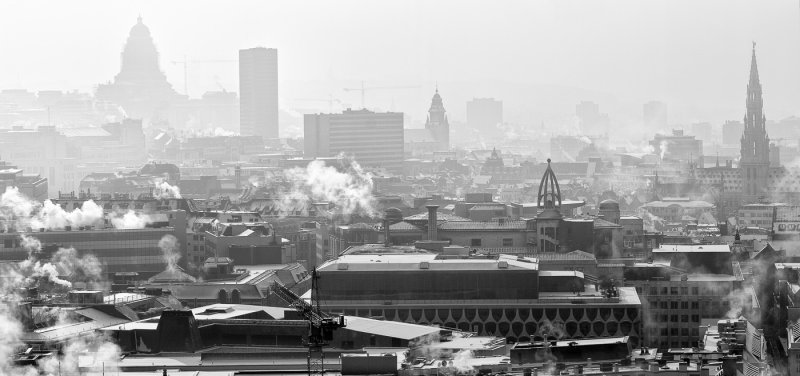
169, 251
350, 191
165, 190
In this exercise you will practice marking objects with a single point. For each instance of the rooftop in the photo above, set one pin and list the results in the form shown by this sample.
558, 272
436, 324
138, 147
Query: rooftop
401, 262
693, 248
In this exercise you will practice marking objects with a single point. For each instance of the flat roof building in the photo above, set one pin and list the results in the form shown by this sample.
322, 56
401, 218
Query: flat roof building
505, 296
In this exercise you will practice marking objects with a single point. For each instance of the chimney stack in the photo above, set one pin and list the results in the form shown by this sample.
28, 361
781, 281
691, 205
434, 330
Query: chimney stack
432, 230
386, 241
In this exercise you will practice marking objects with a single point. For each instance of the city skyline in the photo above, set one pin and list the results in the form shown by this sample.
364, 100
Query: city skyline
550, 68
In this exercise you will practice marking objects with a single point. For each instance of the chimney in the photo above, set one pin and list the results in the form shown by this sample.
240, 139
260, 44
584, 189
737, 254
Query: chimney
432, 230
386, 241
237, 173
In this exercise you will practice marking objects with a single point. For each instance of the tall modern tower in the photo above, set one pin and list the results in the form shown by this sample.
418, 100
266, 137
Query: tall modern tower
258, 86
437, 123
754, 160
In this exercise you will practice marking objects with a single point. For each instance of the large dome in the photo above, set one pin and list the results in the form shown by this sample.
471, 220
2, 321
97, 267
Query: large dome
140, 30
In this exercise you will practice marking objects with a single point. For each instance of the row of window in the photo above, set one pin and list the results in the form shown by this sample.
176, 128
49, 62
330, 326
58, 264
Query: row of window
677, 318
674, 305
507, 242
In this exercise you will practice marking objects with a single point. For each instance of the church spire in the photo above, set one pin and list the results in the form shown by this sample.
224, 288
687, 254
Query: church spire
755, 102
754, 157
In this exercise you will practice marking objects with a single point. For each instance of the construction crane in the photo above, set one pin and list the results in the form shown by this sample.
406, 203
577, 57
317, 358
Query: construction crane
185, 64
364, 88
331, 100
320, 324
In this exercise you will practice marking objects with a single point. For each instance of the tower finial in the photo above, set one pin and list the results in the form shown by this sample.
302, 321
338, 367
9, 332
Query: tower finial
139, 19
437, 87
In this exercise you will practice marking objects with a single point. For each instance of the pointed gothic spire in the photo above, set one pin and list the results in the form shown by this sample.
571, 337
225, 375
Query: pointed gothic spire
754, 69
549, 191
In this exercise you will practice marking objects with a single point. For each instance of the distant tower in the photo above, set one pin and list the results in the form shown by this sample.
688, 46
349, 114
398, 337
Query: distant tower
258, 87
754, 160
141, 88
549, 219
437, 123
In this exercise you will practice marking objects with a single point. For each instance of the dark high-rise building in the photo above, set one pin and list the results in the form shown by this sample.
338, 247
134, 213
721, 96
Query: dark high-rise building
141, 88
258, 86
754, 160
484, 114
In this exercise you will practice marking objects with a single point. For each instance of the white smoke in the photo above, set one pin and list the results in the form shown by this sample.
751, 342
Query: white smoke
18, 212
349, 191
663, 146
166, 190
130, 220
169, 251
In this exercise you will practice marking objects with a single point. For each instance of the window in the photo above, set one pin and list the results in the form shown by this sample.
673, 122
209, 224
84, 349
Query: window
475, 243
673, 318
684, 291
664, 291
654, 291
8, 243
673, 290
673, 331
684, 305
663, 305
684, 318
673, 305
508, 242
684, 331
664, 332
653, 305
695, 305
695, 318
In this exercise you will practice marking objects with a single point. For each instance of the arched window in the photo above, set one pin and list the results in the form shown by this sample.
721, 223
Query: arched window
222, 296
236, 296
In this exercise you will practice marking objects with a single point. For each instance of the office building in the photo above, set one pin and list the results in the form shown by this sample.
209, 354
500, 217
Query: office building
684, 284
677, 147
258, 86
373, 139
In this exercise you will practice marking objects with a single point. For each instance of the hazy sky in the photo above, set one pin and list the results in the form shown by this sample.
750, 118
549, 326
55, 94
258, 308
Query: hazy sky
694, 55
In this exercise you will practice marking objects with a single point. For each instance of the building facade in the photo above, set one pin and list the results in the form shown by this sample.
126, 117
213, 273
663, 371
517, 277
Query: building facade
373, 139
258, 86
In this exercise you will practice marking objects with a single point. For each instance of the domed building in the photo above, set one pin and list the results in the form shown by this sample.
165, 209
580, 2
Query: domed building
140, 88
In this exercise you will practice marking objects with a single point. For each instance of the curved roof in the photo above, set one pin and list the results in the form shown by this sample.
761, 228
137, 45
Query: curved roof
608, 202
140, 30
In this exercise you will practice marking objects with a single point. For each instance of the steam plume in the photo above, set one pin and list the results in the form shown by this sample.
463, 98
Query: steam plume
169, 251
349, 191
